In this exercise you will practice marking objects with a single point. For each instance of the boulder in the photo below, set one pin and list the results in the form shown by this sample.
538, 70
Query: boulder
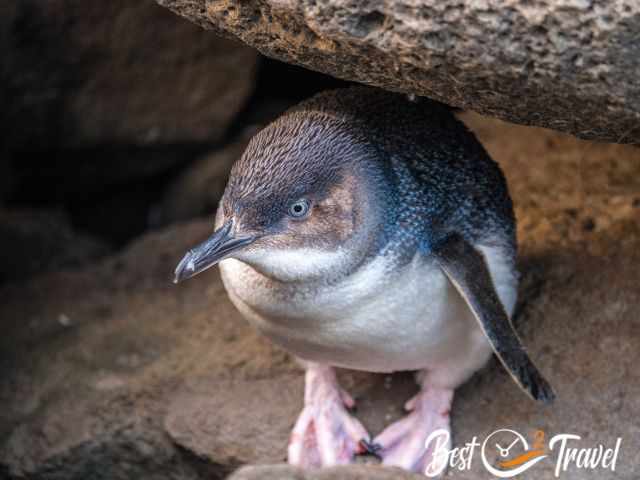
90, 74
110, 371
571, 66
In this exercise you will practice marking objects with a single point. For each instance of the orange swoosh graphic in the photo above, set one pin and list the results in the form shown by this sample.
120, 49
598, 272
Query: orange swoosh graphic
521, 458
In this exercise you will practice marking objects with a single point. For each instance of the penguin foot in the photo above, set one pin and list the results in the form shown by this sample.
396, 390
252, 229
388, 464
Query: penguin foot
325, 433
404, 443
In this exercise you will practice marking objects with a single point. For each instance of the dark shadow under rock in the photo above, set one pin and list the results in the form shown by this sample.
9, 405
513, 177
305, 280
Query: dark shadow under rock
37, 241
197, 190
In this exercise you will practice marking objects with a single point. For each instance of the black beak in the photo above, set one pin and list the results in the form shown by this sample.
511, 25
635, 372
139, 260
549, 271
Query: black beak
210, 252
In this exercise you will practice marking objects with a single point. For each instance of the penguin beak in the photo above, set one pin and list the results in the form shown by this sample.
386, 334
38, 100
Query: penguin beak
217, 247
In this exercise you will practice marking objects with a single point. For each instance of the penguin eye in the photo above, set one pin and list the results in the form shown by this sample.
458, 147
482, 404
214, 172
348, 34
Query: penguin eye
299, 208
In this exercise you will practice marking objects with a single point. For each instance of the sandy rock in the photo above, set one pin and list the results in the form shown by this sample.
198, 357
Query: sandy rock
81, 74
572, 66
252, 419
144, 379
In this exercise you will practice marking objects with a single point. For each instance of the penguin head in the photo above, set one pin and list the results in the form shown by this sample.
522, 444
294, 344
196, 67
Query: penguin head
298, 203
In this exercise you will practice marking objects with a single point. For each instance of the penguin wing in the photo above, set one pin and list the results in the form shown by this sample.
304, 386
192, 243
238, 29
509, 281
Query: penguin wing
467, 270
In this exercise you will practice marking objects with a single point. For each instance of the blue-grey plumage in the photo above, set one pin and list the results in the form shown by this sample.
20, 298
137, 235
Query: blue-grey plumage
437, 169
429, 173
364, 231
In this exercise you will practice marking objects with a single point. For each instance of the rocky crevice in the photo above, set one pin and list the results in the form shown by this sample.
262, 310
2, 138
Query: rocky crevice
138, 377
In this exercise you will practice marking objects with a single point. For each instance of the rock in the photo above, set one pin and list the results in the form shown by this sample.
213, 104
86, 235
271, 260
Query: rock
352, 472
87, 74
38, 241
257, 434
90, 359
110, 371
571, 66
198, 189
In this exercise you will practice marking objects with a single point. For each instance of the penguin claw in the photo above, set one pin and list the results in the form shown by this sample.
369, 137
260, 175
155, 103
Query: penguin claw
368, 447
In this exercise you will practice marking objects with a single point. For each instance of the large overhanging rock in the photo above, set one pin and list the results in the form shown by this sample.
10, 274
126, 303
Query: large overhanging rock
571, 65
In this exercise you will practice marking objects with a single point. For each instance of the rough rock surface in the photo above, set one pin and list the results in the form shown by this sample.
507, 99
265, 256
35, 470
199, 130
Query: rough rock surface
144, 379
82, 74
571, 65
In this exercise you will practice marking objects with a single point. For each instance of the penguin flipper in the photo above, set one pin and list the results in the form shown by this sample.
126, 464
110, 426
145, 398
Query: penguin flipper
467, 270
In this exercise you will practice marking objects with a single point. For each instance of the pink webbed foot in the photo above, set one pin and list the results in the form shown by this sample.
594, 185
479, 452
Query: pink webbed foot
404, 443
325, 433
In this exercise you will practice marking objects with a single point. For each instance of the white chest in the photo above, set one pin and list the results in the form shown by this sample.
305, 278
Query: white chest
379, 319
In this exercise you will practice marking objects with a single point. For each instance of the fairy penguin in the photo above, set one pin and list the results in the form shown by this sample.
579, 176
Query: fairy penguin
364, 231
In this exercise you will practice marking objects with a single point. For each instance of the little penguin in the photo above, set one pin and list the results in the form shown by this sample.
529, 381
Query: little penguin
364, 231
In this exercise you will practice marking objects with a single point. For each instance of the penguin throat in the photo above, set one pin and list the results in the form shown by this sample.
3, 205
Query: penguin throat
297, 264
